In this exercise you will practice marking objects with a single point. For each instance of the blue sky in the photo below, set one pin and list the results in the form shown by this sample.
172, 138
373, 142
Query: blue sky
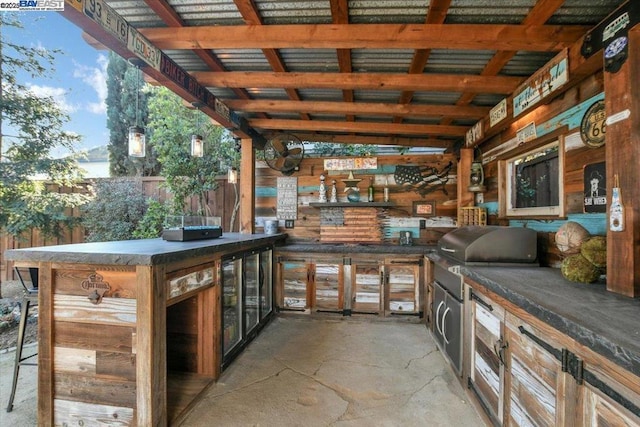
78, 83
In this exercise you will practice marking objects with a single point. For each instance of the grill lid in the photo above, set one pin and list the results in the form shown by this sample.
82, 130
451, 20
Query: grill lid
490, 245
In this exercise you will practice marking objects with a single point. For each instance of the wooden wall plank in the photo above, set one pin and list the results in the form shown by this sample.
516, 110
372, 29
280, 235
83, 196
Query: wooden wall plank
111, 311
89, 336
95, 390
80, 413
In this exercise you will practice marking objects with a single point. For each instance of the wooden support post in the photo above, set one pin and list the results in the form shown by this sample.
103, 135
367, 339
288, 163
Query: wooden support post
151, 347
247, 187
465, 197
622, 97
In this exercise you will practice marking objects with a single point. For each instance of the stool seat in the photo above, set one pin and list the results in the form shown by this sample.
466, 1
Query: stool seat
29, 280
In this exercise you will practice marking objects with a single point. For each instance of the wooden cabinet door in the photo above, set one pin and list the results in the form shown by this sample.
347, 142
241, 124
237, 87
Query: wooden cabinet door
327, 278
366, 287
487, 355
294, 282
402, 287
534, 377
599, 410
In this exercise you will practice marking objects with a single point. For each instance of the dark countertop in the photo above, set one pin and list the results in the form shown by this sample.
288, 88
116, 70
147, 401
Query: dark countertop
358, 249
606, 322
139, 252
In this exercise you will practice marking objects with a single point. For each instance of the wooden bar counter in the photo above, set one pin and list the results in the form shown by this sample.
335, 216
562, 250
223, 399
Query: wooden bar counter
130, 331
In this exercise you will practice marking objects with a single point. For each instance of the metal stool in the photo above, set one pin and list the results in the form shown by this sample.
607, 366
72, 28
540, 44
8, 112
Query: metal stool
29, 299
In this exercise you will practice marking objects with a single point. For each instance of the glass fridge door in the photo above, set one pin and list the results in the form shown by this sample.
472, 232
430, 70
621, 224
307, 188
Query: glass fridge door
231, 304
251, 291
266, 283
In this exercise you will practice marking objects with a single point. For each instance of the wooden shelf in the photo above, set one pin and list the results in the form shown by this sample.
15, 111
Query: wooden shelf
352, 205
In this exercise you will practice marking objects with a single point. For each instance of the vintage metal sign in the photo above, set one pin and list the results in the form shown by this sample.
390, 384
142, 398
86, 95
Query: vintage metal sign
138, 44
527, 133
287, 197
593, 126
107, 18
498, 113
474, 134
595, 188
542, 84
356, 163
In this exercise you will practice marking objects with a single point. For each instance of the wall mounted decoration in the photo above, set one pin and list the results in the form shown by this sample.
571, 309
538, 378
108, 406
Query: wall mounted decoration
426, 208
287, 200
593, 125
595, 188
423, 179
356, 163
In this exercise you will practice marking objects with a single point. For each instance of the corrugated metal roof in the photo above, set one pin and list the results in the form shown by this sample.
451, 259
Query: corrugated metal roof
361, 60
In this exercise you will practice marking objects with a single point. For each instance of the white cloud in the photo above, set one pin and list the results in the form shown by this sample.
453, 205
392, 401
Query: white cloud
58, 94
96, 78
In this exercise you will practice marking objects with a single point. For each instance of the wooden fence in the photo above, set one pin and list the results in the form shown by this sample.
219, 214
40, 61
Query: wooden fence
220, 202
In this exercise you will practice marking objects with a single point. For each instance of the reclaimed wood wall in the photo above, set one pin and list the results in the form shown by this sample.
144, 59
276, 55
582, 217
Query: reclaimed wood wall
562, 117
362, 224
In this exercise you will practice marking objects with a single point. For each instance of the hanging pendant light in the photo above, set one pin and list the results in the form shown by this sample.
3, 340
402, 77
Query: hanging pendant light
232, 175
197, 146
137, 147
197, 143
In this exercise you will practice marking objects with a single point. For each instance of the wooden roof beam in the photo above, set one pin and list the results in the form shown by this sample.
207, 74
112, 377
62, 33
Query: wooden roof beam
170, 17
357, 108
436, 14
374, 140
361, 127
251, 16
340, 15
538, 15
372, 81
541, 38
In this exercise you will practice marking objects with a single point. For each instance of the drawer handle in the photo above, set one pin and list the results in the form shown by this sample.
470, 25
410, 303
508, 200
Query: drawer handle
438, 317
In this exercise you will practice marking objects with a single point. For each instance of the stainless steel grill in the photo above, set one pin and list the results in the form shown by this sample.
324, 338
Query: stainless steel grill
491, 245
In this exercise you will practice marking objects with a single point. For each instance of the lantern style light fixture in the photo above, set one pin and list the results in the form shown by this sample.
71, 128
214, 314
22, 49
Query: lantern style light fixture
197, 143
232, 175
476, 178
137, 139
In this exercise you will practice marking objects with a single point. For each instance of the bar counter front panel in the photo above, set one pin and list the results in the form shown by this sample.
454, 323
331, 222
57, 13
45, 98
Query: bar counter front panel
129, 331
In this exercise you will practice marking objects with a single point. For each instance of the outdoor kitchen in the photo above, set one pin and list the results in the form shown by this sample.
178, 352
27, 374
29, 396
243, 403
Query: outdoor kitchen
498, 222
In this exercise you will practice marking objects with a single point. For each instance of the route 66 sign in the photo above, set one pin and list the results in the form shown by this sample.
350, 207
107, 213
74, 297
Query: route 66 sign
593, 126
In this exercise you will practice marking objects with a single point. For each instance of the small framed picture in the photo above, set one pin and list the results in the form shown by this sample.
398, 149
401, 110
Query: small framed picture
427, 208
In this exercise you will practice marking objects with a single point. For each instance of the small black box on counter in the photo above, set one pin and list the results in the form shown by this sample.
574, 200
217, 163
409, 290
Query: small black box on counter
184, 228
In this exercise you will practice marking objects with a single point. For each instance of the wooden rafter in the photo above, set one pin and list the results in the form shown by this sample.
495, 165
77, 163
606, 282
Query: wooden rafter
543, 38
436, 15
251, 16
374, 140
340, 15
170, 17
359, 108
538, 15
377, 81
363, 127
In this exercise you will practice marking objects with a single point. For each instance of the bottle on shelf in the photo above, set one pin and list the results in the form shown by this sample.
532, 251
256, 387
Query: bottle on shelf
370, 189
386, 189
334, 192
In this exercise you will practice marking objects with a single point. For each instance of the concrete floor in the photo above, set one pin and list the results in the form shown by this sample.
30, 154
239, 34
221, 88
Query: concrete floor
310, 371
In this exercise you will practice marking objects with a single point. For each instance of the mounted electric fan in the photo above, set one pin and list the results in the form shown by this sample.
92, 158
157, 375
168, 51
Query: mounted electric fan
284, 152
